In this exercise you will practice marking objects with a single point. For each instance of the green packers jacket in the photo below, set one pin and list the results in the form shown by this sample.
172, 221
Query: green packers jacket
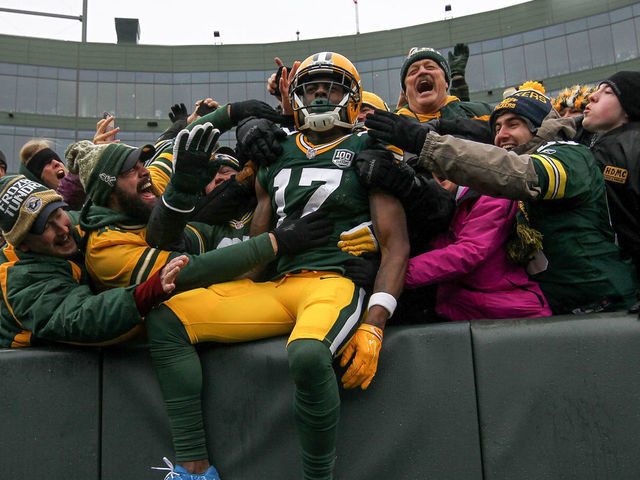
47, 299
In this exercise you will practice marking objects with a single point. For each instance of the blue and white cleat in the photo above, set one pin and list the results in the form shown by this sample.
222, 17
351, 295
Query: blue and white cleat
176, 472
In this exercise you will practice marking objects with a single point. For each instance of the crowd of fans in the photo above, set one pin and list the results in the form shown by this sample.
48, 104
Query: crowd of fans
333, 213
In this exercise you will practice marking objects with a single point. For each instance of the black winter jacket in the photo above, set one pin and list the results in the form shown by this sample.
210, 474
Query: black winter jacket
617, 153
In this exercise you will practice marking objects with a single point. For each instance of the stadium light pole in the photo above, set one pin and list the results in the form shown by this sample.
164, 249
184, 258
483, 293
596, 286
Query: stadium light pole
82, 18
357, 20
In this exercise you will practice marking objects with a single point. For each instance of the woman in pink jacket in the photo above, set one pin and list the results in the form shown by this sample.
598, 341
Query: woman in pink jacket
470, 265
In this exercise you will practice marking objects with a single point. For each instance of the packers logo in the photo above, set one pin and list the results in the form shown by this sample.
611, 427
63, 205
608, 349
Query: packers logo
33, 204
342, 158
108, 179
615, 174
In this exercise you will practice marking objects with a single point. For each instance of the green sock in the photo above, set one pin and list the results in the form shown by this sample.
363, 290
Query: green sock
177, 365
316, 406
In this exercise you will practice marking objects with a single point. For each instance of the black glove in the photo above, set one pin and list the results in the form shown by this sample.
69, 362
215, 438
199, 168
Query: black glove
469, 128
191, 153
458, 59
362, 270
296, 234
178, 112
238, 111
259, 141
379, 169
227, 201
398, 130
203, 109
288, 121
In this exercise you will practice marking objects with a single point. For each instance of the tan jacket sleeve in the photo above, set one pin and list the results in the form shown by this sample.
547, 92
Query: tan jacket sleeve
487, 169
492, 170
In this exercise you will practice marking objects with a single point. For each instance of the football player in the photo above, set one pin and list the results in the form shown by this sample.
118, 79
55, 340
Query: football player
314, 173
310, 298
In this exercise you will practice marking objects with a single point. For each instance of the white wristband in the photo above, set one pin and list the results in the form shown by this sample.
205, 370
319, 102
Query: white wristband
385, 300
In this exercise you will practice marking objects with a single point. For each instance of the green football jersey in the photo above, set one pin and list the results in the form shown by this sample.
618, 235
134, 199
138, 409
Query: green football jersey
318, 177
233, 231
577, 236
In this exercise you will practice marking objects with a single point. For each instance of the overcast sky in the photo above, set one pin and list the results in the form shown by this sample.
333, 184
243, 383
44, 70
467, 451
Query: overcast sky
192, 22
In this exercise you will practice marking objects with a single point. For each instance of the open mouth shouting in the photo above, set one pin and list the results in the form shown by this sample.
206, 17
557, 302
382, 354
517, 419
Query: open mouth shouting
60, 174
424, 84
146, 190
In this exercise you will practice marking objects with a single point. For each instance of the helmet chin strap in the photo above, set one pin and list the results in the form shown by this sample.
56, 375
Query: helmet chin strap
323, 121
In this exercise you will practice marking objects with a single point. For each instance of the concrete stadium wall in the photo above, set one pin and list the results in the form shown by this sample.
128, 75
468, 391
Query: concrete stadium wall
528, 399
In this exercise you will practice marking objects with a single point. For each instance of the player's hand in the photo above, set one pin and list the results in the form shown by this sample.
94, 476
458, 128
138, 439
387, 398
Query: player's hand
363, 351
379, 169
363, 270
296, 234
191, 153
358, 240
259, 141
178, 113
238, 111
458, 59
398, 130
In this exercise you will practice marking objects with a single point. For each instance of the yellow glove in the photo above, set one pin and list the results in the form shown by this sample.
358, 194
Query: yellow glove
359, 240
364, 347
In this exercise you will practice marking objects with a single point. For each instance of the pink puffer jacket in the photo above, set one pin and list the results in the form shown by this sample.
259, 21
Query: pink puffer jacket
469, 263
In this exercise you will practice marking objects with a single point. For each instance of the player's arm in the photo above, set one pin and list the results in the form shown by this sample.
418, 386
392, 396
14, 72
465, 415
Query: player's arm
262, 222
263, 215
363, 349
390, 227
117, 259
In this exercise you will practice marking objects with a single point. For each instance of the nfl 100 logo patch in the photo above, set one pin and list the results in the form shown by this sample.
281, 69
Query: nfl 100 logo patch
33, 205
342, 158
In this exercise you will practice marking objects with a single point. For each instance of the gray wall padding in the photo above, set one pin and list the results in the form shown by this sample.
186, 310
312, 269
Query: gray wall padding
49, 413
559, 398
414, 421
135, 427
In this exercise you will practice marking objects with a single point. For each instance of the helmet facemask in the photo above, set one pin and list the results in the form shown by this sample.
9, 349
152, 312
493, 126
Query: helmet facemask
336, 108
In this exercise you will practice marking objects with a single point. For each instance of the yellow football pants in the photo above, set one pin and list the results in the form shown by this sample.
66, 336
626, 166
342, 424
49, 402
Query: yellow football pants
318, 305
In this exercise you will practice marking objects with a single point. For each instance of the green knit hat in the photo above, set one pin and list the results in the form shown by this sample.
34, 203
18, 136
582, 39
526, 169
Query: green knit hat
424, 53
223, 157
98, 166
25, 207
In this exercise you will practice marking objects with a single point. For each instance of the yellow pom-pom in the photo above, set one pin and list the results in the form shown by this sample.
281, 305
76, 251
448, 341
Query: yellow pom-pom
532, 86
